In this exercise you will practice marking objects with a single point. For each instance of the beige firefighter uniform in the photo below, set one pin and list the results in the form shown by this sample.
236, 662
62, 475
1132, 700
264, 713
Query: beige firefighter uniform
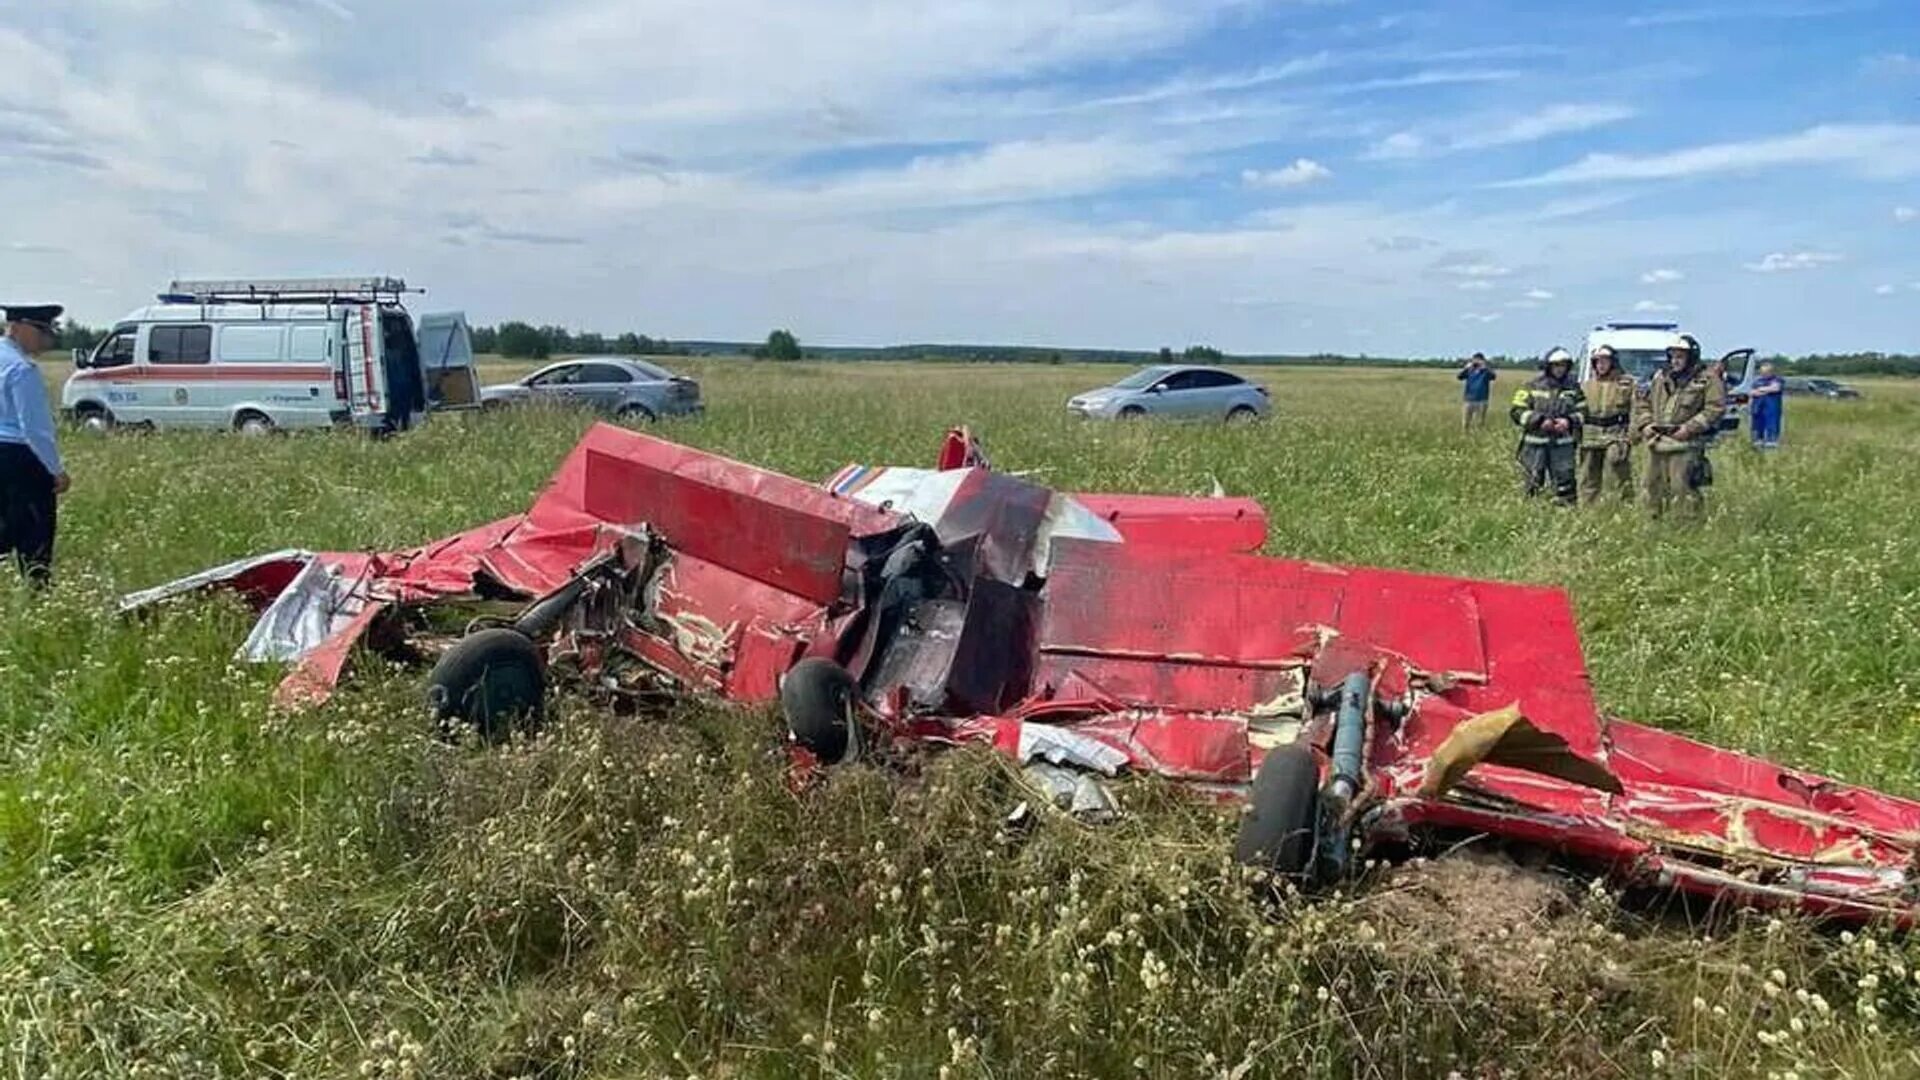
1674, 416
1606, 435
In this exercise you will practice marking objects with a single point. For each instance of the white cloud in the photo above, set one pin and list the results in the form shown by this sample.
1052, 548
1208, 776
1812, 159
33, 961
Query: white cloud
1474, 286
1876, 151
1904, 214
1649, 307
1689, 15
1783, 261
1302, 172
1477, 270
1885, 290
1398, 146
1539, 294
1473, 316
1661, 277
1545, 123
1483, 133
1893, 65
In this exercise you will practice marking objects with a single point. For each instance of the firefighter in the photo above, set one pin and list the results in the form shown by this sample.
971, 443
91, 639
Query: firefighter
1677, 413
1606, 439
31, 475
1547, 412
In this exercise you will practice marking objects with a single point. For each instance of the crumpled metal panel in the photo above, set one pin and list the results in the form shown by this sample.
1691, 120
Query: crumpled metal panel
775, 529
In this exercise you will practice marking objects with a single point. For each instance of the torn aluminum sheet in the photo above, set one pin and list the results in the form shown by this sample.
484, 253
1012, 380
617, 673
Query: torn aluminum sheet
1141, 636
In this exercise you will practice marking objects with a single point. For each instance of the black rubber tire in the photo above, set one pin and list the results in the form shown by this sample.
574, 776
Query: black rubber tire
1277, 834
635, 414
94, 417
1243, 414
1133, 412
817, 697
261, 423
493, 679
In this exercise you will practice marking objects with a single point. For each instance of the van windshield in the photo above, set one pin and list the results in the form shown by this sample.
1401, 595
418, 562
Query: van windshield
1640, 363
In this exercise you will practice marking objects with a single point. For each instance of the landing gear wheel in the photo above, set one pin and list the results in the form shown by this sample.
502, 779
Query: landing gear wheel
1277, 835
492, 679
817, 698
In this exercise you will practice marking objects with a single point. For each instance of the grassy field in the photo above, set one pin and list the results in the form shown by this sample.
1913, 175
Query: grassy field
191, 885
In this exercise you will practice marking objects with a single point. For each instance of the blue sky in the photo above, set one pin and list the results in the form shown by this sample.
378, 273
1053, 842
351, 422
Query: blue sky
1390, 178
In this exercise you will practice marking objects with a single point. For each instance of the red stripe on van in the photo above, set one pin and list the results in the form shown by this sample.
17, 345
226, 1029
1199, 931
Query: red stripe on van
208, 373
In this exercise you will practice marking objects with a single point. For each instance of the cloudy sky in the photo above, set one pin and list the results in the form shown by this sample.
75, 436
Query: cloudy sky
1287, 175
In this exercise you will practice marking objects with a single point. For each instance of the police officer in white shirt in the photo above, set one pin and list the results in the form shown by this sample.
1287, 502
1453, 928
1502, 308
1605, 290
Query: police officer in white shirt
31, 475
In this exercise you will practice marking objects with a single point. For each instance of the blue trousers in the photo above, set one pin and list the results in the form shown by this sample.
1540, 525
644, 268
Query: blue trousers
1766, 425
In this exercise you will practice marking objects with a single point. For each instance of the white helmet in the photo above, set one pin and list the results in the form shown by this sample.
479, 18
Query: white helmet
1556, 355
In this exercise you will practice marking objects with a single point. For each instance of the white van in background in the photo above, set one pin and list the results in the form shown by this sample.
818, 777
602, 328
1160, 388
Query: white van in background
1640, 348
284, 354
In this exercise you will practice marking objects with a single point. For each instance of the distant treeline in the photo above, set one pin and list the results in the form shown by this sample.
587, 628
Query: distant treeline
524, 341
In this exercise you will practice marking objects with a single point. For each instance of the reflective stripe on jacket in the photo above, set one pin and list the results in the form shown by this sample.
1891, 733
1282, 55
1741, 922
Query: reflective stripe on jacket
1547, 398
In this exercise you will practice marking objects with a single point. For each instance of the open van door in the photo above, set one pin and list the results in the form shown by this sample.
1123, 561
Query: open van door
360, 364
446, 352
1742, 366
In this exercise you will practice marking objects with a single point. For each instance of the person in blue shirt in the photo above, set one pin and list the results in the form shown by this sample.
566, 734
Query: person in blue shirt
31, 475
1478, 376
1768, 406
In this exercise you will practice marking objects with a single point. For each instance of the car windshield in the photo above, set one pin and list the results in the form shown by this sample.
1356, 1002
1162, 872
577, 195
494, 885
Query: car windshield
1143, 378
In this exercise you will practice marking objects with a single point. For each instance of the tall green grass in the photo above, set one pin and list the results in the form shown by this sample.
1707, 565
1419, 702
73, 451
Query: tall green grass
191, 885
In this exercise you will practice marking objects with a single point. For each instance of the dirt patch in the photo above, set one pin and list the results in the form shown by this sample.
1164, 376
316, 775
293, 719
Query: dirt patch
1514, 930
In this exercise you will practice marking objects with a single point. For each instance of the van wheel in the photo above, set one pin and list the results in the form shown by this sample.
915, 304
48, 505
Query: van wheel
491, 679
252, 425
817, 697
1277, 835
94, 418
634, 414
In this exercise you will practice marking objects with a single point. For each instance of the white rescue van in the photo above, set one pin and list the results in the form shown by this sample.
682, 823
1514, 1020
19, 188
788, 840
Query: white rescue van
284, 354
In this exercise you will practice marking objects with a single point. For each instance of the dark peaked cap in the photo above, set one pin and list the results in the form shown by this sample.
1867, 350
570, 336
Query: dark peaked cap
40, 315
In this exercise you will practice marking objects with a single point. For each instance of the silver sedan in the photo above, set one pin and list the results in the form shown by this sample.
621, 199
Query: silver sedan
1176, 390
623, 387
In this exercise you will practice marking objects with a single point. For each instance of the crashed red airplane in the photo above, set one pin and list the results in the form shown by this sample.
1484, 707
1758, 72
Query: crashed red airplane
1087, 637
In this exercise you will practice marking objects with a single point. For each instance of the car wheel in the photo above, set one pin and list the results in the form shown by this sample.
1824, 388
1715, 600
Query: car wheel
1243, 414
94, 418
1133, 412
252, 425
1277, 834
492, 679
634, 414
817, 698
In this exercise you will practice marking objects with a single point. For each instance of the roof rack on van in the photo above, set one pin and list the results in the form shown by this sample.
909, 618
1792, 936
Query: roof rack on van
1638, 326
288, 290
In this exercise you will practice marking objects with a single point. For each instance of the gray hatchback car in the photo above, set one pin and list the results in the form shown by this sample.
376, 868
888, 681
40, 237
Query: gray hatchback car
1176, 390
619, 386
